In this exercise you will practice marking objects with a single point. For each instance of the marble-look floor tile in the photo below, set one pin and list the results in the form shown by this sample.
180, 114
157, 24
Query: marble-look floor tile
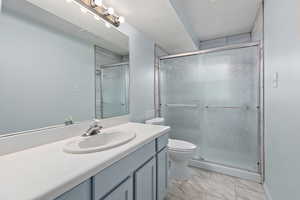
215, 185
211, 197
221, 191
204, 174
185, 190
220, 178
244, 194
205, 185
249, 185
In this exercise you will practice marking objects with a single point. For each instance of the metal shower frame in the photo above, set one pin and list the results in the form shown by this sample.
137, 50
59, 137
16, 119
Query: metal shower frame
260, 63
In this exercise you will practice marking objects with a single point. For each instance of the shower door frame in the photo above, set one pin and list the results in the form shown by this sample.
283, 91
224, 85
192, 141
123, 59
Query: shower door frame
231, 170
99, 68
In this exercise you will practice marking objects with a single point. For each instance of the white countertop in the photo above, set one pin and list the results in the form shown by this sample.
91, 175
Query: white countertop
45, 172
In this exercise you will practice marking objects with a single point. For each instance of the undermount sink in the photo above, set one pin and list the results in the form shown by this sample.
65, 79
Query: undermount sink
103, 141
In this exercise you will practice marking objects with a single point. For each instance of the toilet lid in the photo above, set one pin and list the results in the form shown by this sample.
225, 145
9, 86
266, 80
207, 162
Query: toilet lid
180, 145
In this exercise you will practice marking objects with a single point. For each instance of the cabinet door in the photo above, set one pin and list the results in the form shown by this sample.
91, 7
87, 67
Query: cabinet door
80, 192
109, 178
145, 181
122, 192
162, 174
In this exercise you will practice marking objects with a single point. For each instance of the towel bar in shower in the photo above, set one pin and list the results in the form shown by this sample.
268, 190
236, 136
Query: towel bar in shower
182, 105
228, 107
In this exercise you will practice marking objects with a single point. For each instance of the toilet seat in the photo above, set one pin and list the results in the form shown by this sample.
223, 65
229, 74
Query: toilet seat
180, 146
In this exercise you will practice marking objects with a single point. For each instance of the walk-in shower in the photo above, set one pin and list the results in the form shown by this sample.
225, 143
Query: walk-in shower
212, 98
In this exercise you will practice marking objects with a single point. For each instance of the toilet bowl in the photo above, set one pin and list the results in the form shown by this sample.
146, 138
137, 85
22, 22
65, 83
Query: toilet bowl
180, 153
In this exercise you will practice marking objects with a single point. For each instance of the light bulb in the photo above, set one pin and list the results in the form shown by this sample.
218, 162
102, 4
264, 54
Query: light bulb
98, 2
121, 19
97, 17
84, 10
69, 1
107, 24
110, 11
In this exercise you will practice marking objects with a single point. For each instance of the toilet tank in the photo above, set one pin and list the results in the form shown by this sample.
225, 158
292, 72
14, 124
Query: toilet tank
156, 121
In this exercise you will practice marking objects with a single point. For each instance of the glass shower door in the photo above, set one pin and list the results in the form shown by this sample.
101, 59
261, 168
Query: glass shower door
212, 100
114, 90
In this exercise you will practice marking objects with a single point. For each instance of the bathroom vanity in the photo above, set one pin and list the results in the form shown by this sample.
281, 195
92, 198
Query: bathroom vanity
135, 170
142, 174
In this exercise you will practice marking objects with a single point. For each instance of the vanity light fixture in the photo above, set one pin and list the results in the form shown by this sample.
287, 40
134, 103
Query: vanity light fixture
121, 19
96, 3
110, 11
99, 11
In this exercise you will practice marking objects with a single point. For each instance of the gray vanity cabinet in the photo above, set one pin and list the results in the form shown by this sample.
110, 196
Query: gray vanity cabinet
141, 175
80, 192
162, 173
123, 192
145, 181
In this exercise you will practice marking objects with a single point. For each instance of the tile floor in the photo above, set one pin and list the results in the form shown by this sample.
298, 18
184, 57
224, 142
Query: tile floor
205, 185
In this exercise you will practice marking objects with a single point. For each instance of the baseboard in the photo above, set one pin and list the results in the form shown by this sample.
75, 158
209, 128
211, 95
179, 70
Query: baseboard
227, 170
268, 195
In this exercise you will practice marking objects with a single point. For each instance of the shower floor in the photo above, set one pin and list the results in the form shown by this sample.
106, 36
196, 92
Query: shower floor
206, 185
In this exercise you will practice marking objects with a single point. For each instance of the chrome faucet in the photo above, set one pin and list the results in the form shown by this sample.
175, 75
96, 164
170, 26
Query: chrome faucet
94, 129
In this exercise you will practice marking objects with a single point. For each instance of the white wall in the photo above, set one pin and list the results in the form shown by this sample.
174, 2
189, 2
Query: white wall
141, 74
45, 76
257, 31
282, 130
229, 40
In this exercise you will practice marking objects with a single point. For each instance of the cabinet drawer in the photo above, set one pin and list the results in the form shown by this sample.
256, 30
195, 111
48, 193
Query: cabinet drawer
162, 142
106, 180
80, 192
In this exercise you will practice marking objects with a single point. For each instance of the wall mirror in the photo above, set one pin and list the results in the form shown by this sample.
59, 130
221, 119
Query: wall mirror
112, 83
59, 65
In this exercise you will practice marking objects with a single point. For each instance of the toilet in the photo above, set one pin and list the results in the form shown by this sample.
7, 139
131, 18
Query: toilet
180, 153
